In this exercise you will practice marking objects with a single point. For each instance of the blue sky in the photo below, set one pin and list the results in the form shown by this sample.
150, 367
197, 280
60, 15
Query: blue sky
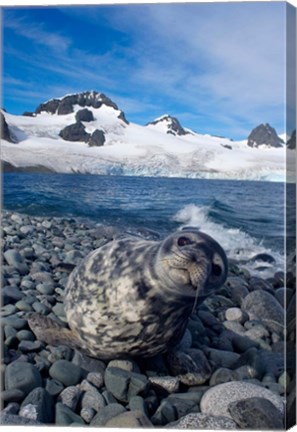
218, 67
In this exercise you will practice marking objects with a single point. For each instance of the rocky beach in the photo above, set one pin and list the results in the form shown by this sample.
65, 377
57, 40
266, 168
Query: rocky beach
234, 369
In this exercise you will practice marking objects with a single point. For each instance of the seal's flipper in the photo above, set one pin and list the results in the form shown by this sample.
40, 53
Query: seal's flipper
49, 331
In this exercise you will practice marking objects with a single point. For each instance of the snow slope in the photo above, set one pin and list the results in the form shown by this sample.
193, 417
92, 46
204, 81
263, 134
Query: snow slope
131, 149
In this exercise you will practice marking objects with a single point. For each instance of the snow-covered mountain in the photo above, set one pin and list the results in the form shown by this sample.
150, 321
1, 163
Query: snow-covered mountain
88, 133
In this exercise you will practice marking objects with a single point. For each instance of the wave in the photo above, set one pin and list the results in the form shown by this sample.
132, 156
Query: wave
238, 244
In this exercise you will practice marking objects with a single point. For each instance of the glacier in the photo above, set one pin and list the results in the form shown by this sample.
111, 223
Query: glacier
135, 150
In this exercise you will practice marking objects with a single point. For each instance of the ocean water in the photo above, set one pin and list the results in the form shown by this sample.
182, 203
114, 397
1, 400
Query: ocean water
246, 218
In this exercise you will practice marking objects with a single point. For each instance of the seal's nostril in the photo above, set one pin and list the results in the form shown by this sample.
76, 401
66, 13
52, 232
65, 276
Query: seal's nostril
216, 270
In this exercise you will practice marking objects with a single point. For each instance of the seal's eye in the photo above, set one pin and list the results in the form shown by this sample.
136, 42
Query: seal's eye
183, 241
216, 270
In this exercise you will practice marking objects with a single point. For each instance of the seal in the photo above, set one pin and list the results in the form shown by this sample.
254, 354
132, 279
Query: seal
133, 297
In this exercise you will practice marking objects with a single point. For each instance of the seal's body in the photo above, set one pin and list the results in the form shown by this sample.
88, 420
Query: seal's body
133, 297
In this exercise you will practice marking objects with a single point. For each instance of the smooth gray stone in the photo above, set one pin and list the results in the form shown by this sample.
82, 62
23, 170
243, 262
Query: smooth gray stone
107, 413
256, 413
12, 395
70, 397
25, 335
216, 400
261, 305
124, 384
14, 321
87, 363
41, 404
22, 376
54, 387
11, 294
137, 403
130, 419
166, 413
65, 416
10, 419
93, 399
15, 259
66, 372
27, 346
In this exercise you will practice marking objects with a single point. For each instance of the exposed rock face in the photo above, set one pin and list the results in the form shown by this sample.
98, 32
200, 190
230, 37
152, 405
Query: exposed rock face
5, 134
75, 132
264, 134
84, 115
173, 125
291, 143
65, 105
97, 138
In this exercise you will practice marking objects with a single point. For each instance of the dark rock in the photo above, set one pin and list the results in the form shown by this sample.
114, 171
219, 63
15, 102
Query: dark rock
291, 143
65, 106
256, 283
166, 413
11, 294
66, 372
220, 358
75, 132
12, 395
262, 306
65, 416
263, 257
137, 403
50, 106
191, 366
41, 405
221, 375
15, 259
124, 384
87, 363
238, 289
5, 133
173, 125
185, 403
27, 346
24, 377
54, 387
122, 117
129, 419
28, 114
97, 139
264, 134
11, 419
106, 414
256, 413
84, 115
14, 321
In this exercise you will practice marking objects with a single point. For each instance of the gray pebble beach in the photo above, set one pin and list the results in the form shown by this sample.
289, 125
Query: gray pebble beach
231, 361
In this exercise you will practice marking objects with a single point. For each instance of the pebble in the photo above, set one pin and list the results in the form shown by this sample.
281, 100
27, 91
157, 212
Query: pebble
96, 378
12, 395
11, 294
165, 413
106, 414
54, 387
64, 416
14, 321
66, 372
261, 305
93, 399
23, 305
27, 346
236, 314
24, 377
168, 383
137, 403
204, 422
15, 259
256, 413
70, 397
191, 367
87, 414
87, 363
221, 375
39, 406
129, 419
128, 365
124, 384
220, 358
216, 400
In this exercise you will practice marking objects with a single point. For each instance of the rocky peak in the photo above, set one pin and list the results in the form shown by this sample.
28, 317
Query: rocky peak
264, 134
172, 124
291, 143
65, 105
5, 133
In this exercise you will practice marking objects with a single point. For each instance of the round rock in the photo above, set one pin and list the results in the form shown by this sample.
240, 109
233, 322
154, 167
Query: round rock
217, 399
23, 376
66, 372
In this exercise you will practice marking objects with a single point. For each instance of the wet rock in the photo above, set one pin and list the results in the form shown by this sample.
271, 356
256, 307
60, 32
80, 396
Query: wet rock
217, 399
106, 414
166, 413
129, 419
24, 377
66, 372
261, 305
124, 384
38, 405
70, 397
256, 413
191, 367
65, 416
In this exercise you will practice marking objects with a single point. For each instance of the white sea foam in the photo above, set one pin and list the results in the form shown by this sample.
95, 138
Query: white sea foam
238, 244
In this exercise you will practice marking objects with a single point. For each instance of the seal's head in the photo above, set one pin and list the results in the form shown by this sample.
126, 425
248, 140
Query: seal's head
192, 262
